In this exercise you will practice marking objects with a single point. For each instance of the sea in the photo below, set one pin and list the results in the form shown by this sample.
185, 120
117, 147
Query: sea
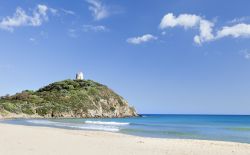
234, 128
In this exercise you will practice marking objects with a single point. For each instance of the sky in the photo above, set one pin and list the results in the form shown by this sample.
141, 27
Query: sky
168, 57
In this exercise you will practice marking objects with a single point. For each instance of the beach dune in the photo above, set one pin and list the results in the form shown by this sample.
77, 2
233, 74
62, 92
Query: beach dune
26, 140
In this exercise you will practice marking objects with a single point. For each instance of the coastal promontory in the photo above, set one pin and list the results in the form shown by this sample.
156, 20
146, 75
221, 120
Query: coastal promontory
66, 99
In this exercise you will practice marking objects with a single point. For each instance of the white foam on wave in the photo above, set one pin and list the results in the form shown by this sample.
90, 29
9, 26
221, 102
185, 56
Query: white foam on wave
76, 126
107, 123
101, 128
45, 122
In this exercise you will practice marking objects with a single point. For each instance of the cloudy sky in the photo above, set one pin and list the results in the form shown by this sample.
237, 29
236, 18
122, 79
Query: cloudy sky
163, 56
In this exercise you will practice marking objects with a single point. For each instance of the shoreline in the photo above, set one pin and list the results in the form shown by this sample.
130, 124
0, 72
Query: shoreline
13, 116
4, 120
19, 139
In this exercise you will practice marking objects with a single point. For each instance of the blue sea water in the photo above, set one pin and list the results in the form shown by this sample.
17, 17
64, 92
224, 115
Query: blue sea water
234, 128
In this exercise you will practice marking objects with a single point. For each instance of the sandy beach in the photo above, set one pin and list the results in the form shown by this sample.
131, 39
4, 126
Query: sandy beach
25, 140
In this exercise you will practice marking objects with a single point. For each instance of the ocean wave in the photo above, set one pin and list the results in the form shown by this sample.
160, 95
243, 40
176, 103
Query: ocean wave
45, 122
107, 123
100, 128
75, 126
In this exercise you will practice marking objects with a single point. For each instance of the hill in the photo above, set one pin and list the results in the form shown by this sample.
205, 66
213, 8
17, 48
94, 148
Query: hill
67, 99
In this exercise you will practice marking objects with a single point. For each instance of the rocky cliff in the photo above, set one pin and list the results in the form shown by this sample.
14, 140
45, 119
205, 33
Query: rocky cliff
67, 99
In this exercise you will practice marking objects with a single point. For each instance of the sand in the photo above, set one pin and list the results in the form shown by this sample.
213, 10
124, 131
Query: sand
27, 140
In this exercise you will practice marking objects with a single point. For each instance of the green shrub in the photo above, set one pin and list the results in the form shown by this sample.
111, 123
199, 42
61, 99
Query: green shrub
11, 107
28, 109
44, 110
92, 91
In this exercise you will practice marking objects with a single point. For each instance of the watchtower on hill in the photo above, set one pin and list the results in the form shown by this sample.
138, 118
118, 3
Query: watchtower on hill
79, 76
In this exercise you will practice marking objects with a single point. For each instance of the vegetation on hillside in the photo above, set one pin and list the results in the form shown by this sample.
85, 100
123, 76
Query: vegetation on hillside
68, 98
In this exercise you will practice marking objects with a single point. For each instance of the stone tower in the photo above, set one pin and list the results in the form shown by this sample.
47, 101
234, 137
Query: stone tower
79, 76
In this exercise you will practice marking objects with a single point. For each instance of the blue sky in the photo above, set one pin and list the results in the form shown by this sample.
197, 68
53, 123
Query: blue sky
174, 56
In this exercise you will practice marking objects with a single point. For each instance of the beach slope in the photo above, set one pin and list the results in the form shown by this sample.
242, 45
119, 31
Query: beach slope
25, 140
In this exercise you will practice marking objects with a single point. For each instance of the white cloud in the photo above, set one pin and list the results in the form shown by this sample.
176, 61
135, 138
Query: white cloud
239, 20
190, 21
20, 18
141, 39
42, 9
53, 11
238, 30
95, 28
76, 32
246, 54
206, 29
185, 20
99, 10
68, 12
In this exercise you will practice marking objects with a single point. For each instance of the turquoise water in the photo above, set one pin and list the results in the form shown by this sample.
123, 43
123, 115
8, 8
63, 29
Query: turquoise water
208, 127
